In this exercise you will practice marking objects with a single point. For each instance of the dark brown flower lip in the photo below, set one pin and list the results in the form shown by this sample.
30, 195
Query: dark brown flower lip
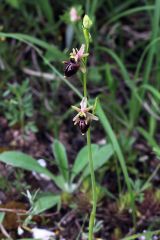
83, 125
71, 67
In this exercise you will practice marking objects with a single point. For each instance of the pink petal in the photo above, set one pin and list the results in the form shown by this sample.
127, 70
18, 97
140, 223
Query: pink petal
74, 15
81, 51
83, 103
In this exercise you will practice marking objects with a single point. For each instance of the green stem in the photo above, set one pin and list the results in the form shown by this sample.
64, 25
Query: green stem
94, 197
85, 84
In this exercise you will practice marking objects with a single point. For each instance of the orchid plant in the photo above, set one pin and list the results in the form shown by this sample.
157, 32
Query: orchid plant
84, 117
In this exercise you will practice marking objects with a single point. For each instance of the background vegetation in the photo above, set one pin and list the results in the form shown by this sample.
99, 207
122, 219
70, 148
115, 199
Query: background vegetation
36, 129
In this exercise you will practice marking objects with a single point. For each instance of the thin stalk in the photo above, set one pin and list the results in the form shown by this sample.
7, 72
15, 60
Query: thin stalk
94, 196
85, 84
93, 181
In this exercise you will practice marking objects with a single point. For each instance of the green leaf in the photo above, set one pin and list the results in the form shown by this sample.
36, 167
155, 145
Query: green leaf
46, 202
14, 3
24, 161
61, 158
153, 90
82, 160
57, 54
46, 9
151, 141
2, 215
110, 133
100, 157
120, 64
131, 11
61, 183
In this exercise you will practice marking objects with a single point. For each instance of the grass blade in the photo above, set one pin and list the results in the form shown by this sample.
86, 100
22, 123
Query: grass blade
61, 158
131, 11
135, 109
46, 202
117, 149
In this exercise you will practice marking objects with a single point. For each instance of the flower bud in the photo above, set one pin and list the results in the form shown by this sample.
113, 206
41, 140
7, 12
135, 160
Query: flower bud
74, 17
87, 22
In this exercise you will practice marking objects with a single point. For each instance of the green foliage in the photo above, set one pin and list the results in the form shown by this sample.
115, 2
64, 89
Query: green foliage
118, 152
148, 235
62, 180
18, 106
100, 157
24, 161
123, 69
81, 160
46, 9
39, 204
45, 202
14, 3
